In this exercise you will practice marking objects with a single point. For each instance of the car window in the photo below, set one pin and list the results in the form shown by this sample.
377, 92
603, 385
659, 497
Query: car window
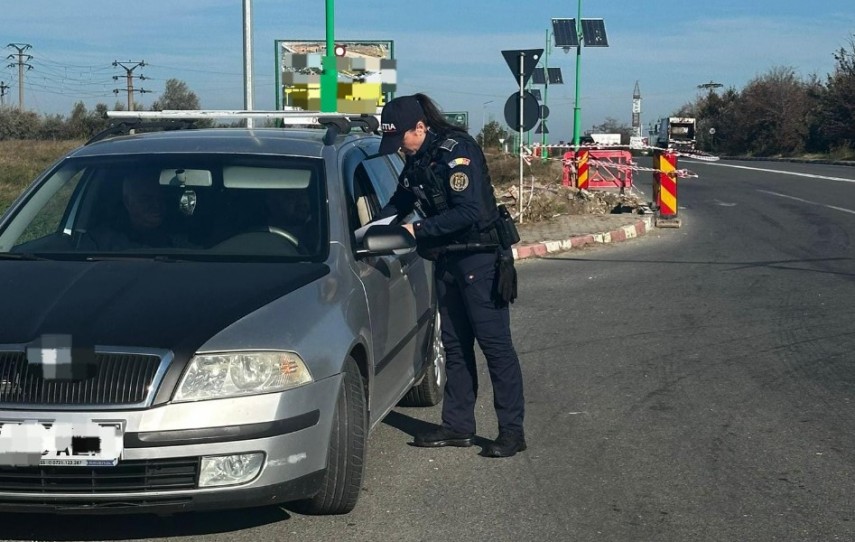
48, 211
382, 178
227, 206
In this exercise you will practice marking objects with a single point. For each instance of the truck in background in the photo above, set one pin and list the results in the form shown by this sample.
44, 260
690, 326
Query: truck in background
677, 133
606, 139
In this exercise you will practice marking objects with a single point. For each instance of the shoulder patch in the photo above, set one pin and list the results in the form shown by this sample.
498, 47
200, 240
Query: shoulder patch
458, 162
459, 181
448, 144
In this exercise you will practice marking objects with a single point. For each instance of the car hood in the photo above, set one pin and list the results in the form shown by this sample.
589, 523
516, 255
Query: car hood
144, 303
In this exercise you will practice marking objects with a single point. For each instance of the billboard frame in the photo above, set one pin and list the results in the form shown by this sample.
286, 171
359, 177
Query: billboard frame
321, 44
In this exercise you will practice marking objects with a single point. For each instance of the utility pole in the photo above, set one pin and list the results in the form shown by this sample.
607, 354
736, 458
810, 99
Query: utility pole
129, 68
22, 61
710, 86
3, 88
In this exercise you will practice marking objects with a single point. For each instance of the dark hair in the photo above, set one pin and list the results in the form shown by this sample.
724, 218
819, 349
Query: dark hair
433, 116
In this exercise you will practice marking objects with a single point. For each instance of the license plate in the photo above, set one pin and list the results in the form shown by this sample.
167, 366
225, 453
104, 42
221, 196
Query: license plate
67, 444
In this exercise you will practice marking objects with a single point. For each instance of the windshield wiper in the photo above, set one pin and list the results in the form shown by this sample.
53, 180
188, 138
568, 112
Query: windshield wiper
20, 256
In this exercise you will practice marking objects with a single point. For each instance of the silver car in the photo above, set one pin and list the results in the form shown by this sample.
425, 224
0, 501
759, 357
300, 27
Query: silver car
207, 318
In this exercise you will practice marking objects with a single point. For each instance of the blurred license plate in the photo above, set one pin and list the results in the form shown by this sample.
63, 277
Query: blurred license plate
67, 444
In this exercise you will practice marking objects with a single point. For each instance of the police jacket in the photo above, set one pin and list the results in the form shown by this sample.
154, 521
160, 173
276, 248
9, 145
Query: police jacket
448, 182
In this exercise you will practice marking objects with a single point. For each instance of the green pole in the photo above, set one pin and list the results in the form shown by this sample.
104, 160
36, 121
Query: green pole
577, 111
544, 151
329, 78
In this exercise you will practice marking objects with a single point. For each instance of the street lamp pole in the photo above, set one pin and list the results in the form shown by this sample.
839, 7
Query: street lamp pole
577, 110
483, 118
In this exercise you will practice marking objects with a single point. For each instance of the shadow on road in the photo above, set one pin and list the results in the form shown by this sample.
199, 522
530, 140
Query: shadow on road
129, 527
412, 426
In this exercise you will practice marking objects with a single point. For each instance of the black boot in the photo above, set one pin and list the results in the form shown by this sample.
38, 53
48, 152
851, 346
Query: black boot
443, 436
506, 445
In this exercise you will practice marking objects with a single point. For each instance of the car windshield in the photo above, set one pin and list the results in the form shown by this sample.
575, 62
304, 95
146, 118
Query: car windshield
217, 206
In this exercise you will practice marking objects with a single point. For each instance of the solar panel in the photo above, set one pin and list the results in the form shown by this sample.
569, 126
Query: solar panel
565, 34
538, 77
555, 76
594, 33
536, 93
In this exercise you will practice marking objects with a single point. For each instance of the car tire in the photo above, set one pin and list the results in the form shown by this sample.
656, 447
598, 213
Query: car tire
429, 391
342, 481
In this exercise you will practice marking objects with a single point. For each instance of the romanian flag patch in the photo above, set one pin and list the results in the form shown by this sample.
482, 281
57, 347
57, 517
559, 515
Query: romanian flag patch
458, 162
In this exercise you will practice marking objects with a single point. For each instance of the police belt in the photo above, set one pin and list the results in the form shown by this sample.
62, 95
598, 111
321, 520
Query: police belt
488, 235
471, 247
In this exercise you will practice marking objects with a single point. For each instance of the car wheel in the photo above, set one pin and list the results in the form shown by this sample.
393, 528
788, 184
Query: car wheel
429, 391
346, 456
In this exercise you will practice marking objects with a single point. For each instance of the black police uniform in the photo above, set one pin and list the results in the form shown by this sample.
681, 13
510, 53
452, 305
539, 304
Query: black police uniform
465, 281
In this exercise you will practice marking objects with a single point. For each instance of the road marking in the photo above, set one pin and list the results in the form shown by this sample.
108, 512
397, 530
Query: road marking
809, 175
808, 201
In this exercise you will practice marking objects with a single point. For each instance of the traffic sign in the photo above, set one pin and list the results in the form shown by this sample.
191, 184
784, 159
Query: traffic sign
531, 111
530, 58
544, 111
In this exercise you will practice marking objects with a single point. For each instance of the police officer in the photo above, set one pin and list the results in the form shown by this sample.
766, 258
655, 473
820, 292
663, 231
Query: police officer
446, 180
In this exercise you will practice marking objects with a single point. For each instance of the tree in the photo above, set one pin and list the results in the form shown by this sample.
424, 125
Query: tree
176, 95
491, 134
837, 102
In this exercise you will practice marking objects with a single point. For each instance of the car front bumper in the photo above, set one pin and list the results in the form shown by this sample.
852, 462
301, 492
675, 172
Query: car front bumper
163, 450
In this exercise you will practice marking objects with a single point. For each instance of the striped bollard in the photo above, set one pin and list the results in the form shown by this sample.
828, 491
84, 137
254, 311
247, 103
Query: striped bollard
582, 169
665, 188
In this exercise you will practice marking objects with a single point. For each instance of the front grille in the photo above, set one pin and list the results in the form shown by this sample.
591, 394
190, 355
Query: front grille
126, 477
116, 379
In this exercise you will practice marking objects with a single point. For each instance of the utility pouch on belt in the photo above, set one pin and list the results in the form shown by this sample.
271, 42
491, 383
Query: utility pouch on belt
506, 229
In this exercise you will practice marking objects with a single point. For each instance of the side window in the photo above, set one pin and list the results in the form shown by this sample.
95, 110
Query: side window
383, 178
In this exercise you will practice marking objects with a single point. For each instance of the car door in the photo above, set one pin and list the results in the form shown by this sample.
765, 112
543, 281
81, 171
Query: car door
392, 303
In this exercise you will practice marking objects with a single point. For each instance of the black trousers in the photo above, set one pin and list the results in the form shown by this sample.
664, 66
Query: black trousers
468, 313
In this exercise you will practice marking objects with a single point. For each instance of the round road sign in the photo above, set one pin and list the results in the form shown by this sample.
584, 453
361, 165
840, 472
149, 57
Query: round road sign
531, 111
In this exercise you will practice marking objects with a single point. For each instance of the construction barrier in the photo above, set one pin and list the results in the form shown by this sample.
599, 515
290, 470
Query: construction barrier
599, 169
665, 183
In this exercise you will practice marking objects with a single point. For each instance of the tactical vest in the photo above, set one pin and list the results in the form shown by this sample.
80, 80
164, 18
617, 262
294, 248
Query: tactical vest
429, 182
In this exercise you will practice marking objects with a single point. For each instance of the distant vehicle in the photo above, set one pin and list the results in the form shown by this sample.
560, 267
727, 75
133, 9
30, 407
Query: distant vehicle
606, 139
676, 133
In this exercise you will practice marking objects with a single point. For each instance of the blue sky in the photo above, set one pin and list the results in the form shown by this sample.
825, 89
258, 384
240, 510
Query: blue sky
449, 49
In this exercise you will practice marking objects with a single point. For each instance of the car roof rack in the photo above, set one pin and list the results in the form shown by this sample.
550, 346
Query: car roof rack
335, 123
126, 127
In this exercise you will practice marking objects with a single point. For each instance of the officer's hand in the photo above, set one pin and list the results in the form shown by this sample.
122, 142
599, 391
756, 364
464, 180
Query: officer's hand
507, 280
409, 228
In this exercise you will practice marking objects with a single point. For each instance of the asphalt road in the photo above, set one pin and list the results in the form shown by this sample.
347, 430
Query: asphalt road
694, 384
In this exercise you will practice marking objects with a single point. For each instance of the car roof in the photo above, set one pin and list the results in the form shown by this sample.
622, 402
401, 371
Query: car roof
271, 141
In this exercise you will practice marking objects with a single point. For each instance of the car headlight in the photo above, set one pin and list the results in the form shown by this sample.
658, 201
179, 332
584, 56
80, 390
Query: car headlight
235, 374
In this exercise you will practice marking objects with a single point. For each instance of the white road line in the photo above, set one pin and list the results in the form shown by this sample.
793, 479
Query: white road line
809, 175
808, 201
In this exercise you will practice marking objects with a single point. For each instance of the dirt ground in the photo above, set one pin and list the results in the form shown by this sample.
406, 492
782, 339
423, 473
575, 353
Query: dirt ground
544, 195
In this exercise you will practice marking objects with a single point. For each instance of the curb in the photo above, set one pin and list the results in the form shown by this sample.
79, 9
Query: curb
536, 250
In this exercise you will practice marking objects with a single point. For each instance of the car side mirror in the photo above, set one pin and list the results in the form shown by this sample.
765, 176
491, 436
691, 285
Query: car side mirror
385, 240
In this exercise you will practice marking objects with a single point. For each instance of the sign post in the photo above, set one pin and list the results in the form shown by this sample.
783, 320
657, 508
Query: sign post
522, 63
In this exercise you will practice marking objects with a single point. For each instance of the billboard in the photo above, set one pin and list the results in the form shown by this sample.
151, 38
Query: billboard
366, 74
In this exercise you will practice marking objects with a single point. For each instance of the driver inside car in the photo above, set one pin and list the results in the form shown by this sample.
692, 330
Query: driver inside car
142, 225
